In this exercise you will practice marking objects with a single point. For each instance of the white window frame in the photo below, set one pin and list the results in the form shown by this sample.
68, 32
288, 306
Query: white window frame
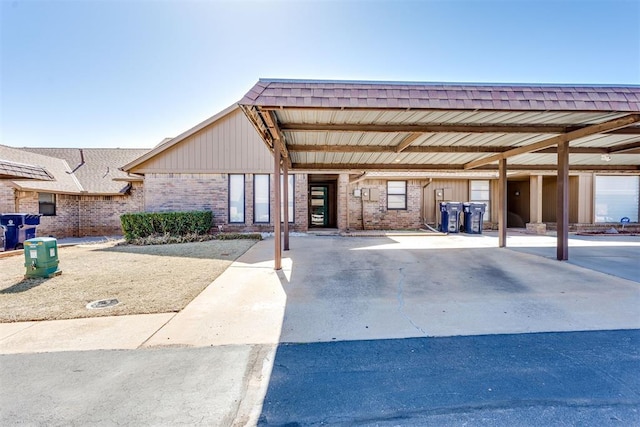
486, 201
240, 197
395, 192
261, 179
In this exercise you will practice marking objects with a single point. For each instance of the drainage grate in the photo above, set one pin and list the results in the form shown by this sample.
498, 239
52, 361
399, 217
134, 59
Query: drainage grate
103, 303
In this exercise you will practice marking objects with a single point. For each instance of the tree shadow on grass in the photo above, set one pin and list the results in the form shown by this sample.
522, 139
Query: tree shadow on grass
24, 285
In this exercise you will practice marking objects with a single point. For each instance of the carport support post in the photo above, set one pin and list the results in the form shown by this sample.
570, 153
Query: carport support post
285, 203
562, 213
502, 202
276, 208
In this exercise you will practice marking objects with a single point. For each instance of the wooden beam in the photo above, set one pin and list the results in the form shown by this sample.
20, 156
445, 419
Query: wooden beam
444, 128
407, 142
576, 134
295, 148
426, 128
623, 148
272, 124
360, 167
277, 237
562, 206
285, 203
502, 203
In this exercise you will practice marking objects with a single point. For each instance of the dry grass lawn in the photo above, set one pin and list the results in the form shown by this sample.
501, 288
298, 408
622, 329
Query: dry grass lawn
144, 279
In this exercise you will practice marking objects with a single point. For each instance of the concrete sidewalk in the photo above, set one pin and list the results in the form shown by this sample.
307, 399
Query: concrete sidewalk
339, 288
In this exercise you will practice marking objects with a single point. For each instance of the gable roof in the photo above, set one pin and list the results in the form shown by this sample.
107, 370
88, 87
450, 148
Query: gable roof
167, 143
96, 169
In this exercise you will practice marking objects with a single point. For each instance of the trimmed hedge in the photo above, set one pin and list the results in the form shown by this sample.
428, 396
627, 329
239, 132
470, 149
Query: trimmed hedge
145, 224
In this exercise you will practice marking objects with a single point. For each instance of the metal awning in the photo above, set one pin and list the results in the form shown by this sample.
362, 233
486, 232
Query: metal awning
410, 127
13, 170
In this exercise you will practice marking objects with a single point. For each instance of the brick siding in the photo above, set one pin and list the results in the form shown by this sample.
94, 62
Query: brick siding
374, 215
184, 192
76, 216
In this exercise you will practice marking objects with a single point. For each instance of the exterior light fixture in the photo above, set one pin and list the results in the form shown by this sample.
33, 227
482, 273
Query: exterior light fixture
605, 157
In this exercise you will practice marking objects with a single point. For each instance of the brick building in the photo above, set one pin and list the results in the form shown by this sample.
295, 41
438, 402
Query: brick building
83, 194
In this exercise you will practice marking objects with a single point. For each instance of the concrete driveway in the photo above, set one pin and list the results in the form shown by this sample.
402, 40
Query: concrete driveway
396, 287
376, 290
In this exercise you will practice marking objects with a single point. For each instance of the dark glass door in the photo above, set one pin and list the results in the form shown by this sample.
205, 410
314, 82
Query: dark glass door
319, 208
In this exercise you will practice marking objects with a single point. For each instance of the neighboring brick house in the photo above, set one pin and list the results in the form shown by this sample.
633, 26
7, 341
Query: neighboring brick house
85, 196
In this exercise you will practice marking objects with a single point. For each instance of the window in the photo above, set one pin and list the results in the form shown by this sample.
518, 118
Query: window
261, 194
291, 195
480, 193
236, 198
396, 194
617, 197
47, 204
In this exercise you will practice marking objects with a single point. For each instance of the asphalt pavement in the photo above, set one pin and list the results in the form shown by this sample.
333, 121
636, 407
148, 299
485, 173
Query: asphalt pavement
559, 379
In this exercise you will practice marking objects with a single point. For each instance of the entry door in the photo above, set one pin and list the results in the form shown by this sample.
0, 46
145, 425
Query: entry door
319, 205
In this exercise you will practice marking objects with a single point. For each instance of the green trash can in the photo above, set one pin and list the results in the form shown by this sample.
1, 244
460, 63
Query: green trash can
41, 257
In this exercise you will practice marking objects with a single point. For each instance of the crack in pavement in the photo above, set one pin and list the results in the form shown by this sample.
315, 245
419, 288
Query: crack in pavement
400, 297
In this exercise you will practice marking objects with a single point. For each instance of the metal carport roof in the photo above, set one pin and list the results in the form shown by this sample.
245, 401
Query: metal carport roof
409, 127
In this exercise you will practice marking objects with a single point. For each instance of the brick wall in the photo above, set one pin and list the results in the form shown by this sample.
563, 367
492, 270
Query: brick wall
63, 224
183, 192
7, 199
376, 216
100, 215
79, 216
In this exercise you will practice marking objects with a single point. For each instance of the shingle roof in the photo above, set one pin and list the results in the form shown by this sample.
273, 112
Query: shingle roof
99, 174
450, 96
13, 170
63, 181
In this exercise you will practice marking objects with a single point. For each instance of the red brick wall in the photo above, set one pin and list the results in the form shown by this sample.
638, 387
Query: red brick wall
184, 192
79, 216
7, 199
376, 216
63, 224
100, 215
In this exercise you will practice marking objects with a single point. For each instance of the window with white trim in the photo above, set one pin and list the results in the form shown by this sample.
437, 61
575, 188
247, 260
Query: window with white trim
396, 195
261, 196
480, 192
236, 198
291, 198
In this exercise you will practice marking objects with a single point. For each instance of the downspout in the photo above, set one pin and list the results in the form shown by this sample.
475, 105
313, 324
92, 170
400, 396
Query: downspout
424, 220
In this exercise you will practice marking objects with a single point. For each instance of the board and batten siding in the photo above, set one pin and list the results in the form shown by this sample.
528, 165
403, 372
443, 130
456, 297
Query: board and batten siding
229, 145
431, 208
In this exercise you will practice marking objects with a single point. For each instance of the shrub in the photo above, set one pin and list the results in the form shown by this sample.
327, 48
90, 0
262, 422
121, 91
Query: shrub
145, 224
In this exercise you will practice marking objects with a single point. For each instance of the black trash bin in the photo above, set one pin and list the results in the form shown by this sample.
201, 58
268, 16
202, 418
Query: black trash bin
17, 228
473, 214
450, 216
